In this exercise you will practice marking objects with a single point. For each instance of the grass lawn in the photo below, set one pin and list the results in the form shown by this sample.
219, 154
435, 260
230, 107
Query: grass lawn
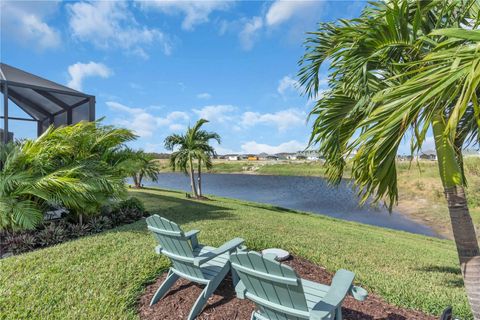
101, 276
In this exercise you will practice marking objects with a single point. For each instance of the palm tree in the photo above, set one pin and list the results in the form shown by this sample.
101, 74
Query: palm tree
402, 67
193, 145
142, 165
206, 154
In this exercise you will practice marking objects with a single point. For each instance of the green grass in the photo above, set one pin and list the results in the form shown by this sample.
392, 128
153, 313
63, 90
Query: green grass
101, 276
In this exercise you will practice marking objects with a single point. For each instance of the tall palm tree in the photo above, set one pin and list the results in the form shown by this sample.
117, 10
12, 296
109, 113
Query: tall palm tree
402, 67
206, 154
193, 145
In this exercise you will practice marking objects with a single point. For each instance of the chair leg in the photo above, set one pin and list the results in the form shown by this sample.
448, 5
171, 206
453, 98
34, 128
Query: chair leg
207, 292
338, 313
166, 285
199, 304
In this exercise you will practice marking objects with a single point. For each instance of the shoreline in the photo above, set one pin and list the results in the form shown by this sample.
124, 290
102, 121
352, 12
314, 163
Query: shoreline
406, 208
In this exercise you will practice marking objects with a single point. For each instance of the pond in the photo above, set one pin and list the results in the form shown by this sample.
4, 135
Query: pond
312, 194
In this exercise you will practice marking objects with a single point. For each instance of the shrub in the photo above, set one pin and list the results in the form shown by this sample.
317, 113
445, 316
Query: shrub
52, 234
98, 224
78, 230
132, 204
126, 211
21, 242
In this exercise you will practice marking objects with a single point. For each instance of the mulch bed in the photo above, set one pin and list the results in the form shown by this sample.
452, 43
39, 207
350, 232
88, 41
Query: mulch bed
223, 304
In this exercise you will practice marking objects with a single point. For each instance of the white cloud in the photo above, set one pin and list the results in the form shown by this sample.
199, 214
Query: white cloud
145, 124
302, 14
110, 24
204, 95
283, 120
216, 113
253, 147
428, 143
249, 33
256, 148
196, 12
154, 147
287, 84
24, 22
79, 71
283, 10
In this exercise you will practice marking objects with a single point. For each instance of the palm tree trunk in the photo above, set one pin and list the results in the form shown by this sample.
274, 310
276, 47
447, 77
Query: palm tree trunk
140, 178
135, 180
192, 177
462, 225
467, 244
199, 177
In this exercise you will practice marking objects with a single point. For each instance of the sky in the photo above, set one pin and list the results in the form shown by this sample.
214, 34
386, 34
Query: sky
156, 67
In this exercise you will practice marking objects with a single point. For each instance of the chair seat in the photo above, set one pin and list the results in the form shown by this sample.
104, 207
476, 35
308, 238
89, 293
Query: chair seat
211, 268
314, 292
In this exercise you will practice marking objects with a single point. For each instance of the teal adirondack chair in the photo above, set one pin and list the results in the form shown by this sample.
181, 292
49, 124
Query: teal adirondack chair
190, 260
280, 294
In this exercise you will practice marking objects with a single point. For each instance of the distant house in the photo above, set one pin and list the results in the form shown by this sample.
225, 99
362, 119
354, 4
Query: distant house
232, 157
291, 156
428, 155
281, 156
270, 157
252, 158
263, 156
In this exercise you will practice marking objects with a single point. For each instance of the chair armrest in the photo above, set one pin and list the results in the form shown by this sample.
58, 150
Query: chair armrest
192, 235
226, 247
341, 285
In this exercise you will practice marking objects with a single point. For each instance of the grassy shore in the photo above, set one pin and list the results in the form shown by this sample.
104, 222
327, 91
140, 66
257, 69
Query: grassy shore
101, 276
420, 188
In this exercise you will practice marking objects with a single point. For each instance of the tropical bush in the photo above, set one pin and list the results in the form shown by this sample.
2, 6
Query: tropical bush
79, 167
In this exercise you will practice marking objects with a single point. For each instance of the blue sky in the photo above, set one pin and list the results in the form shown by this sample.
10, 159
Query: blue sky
158, 66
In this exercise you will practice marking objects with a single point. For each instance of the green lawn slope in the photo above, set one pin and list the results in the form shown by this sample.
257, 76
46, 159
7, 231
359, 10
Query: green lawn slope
101, 276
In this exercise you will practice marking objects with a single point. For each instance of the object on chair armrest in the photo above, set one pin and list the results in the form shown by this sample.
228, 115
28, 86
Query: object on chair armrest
359, 293
226, 247
270, 256
192, 235
341, 284
158, 249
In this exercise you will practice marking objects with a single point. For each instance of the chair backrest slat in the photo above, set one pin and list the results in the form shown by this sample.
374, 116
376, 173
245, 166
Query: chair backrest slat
174, 244
270, 281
